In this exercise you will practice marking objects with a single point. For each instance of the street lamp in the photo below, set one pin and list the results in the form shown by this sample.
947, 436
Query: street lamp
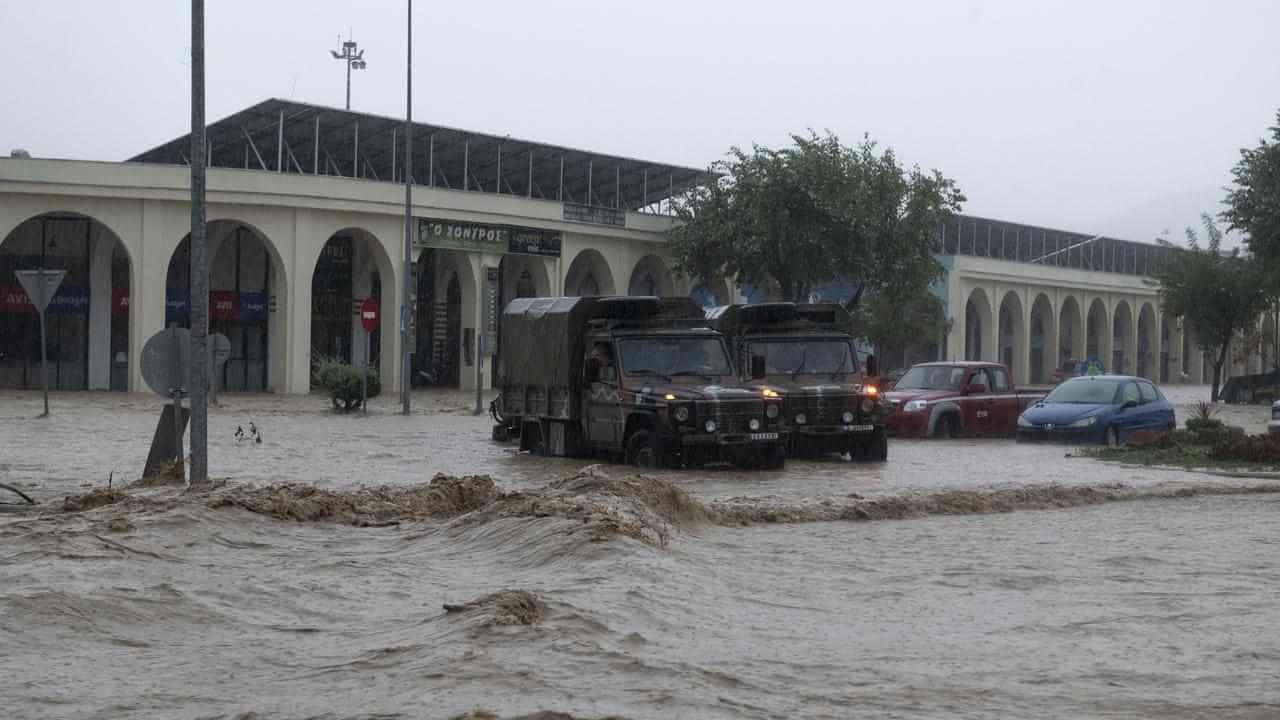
354, 59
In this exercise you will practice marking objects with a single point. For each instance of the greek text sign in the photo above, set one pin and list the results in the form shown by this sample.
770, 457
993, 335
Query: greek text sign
499, 239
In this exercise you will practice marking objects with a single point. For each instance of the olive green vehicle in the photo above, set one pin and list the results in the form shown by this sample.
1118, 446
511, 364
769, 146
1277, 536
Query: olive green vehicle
806, 352
641, 379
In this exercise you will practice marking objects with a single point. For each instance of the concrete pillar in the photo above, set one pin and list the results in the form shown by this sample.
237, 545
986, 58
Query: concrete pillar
147, 284
291, 322
1153, 371
100, 310
1106, 334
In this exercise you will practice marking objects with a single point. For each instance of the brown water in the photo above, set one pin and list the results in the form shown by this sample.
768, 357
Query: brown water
1138, 593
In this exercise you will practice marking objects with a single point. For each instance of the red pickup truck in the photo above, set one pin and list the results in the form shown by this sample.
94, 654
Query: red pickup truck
951, 399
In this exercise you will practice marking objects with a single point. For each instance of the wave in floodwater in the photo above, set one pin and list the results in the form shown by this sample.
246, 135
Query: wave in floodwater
648, 509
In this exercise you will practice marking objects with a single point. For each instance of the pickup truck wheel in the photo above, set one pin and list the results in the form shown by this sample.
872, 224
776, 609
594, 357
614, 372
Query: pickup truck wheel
1113, 437
947, 427
643, 451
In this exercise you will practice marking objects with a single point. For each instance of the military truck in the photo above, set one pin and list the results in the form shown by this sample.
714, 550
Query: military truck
806, 352
641, 379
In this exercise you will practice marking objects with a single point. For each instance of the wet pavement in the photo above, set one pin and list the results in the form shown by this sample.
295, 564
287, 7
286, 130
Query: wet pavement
173, 608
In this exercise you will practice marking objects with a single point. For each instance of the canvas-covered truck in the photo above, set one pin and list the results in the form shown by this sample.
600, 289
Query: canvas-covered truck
642, 379
806, 351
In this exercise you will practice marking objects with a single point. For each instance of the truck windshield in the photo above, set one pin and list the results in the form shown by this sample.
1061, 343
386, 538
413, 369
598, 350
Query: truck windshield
672, 356
1086, 391
931, 378
827, 356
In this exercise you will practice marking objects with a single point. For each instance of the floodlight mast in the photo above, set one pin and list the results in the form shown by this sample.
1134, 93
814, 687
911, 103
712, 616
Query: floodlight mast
354, 58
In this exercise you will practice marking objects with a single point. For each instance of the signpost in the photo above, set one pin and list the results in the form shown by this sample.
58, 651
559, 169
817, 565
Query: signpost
369, 320
220, 348
40, 286
166, 369
487, 336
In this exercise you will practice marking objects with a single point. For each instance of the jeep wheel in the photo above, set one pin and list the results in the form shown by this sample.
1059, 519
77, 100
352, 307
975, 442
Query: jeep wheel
643, 451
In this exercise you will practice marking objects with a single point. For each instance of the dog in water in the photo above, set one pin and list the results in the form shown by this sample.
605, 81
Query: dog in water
253, 435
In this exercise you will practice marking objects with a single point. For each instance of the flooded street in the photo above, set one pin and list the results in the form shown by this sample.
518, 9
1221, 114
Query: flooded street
1107, 591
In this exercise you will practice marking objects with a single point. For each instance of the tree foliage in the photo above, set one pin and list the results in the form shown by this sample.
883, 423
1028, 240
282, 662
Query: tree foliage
1253, 204
1219, 295
901, 322
815, 212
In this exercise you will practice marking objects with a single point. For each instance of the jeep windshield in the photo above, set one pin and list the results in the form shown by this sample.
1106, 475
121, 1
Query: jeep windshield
938, 377
674, 356
825, 356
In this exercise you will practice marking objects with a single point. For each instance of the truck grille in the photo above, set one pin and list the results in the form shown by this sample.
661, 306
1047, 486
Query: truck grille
828, 410
732, 417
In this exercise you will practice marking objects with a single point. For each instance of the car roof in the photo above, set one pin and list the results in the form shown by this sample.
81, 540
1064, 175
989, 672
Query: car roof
1109, 377
960, 363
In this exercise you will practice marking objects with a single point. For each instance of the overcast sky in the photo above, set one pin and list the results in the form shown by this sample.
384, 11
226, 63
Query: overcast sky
1119, 118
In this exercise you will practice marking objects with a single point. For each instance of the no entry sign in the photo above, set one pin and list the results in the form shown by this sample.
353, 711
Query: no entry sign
369, 314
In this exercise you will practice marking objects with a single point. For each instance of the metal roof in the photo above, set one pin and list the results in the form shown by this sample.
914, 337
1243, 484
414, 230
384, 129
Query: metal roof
301, 138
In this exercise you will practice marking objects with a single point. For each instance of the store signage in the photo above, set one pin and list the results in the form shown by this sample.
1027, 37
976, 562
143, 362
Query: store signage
594, 214
68, 300
499, 239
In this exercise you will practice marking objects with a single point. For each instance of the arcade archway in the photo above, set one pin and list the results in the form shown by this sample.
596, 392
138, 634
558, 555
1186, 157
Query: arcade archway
588, 275
88, 318
977, 319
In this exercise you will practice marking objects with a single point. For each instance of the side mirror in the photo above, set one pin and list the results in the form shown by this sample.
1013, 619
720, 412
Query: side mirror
975, 389
757, 367
592, 370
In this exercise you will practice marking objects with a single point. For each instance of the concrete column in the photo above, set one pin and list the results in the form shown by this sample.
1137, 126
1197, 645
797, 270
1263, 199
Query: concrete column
1106, 339
291, 322
1131, 356
1022, 340
147, 284
100, 311
1153, 372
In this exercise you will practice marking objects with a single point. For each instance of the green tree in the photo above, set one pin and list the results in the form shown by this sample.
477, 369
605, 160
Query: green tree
900, 322
814, 212
1218, 295
1253, 204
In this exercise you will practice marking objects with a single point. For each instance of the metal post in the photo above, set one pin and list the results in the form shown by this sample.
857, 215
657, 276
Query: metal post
355, 155
364, 373
405, 300
617, 186
479, 355
497, 185
280, 144
348, 80
315, 160
646, 189
590, 181
199, 261
431, 157
393, 154
44, 352
529, 189
466, 161
560, 190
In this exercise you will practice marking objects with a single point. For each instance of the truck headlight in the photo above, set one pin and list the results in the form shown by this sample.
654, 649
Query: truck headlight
1023, 422
682, 413
801, 419
1084, 422
771, 411
848, 417
709, 426
915, 406
754, 424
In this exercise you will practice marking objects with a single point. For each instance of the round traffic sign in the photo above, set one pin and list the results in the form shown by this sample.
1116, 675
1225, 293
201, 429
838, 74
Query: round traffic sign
219, 349
369, 314
166, 362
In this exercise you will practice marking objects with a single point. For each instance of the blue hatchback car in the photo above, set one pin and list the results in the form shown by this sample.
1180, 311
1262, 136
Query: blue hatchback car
1097, 409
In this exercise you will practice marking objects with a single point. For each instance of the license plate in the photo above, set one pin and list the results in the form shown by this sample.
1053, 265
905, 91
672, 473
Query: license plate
763, 436
859, 428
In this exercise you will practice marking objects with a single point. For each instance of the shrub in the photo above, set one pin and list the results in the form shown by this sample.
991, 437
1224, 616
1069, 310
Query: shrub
1248, 448
342, 382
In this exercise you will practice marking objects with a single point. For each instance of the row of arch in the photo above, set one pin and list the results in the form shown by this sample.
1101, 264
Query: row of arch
1131, 337
95, 343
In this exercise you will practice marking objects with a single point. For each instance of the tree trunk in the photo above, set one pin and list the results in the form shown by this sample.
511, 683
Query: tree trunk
1217, 370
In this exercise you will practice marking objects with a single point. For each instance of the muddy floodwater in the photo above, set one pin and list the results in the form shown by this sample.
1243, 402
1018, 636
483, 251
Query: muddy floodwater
330, 576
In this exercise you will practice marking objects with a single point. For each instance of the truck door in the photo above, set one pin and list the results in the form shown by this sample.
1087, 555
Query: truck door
601, 401
976, 403
1005, 406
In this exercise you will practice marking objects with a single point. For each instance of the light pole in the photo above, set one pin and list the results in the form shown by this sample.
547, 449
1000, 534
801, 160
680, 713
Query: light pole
354, 58
406, 299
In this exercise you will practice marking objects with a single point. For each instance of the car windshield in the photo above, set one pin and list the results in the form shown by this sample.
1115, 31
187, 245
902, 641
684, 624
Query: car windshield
672, 356
824, 356
1084, 391
938, 377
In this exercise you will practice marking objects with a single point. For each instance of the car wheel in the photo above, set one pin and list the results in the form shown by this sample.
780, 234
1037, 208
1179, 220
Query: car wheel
1112, 437
643, 452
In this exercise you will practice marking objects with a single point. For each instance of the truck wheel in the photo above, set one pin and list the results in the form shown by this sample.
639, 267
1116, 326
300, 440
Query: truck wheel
879, 448
643, 451
947, 427
773, 458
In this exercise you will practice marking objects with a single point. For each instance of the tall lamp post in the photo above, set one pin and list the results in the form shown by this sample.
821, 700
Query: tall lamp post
354, 58
406, 299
